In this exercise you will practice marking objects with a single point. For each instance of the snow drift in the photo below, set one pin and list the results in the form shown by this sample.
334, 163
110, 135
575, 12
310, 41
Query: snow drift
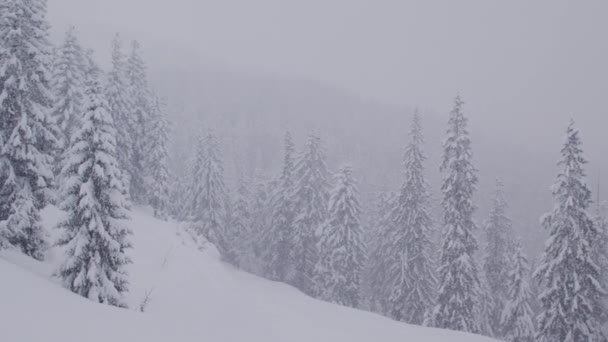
192, 296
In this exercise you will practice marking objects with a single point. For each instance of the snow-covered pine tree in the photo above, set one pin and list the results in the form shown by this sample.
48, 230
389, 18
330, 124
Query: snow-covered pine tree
276, 242
209, 196
311, 196
459, 287
196, 188
517, 322
261, 214
600, 252
180, 191
498, 250
68, 85
239, 233
94, 231
117, 93
157, 178
28, 133
139, 129
485, 307
7, 178
378, 261
567, 273
411, 280
341, 247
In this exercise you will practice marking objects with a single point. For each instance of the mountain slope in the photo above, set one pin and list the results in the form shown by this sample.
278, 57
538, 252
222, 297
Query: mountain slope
194, 297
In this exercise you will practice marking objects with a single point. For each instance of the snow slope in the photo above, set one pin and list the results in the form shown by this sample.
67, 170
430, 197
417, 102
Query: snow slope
194, 297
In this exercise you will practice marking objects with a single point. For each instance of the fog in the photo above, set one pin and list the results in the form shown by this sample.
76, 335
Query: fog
524, 68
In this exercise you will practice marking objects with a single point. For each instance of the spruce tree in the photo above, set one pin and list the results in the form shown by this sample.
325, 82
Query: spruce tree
209, 196
120, 102
600, 253
27, 133
7, 181
485, 307
380, 259
68, 85
498, 250
517, 323
196, 187
567, 273
139, 125
261, 215
94, 232
311, 197
157, 180
239, 232
459, 287
276, 243
411, 281
341, 247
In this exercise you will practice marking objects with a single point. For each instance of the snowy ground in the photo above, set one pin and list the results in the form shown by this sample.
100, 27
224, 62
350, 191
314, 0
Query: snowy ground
194, 297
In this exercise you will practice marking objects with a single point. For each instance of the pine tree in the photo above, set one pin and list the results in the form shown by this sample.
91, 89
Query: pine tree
24, 225
28, 133
239, 233
411, 281
499, 235
341, 247
485, 307
517, 322
276, 243
567, 273
118, 95
379, 259
139, 129
7, 179
157, 179
600, 253
209, 196
94, 231
68, 85
261, 215
459, 287
311, 196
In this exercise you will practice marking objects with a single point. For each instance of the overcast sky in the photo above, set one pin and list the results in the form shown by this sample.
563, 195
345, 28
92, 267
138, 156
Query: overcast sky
523, 67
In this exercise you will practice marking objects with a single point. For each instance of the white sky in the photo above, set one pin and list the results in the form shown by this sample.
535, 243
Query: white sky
523, 67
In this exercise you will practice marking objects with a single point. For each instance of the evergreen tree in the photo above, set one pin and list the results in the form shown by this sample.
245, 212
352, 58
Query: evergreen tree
276, 243
196, 188
341, 248
600, 252
240, 236
118, 95
567, 273
7, 178
139, 125
261, 215
94, 232
517, 317
311, 196
209, 196
180, 191
485, 307
379, 259
158, 161
68, 84
27, 133
459, 287
411, 281
499, 236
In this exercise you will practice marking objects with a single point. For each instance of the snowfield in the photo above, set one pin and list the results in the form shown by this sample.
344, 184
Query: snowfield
193, 297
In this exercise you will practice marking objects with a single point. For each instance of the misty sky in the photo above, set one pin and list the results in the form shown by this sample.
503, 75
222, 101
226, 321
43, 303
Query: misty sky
523, 67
